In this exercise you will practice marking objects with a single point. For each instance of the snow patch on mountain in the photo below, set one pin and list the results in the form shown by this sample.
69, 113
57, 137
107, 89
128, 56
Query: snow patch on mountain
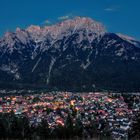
129, 39
50, 69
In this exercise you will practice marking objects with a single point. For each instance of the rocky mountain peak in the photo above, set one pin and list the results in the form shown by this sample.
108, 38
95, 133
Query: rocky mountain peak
8, 39
84, 23
67, 27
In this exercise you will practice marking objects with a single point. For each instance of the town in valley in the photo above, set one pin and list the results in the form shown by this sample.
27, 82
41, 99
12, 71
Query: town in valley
70, 115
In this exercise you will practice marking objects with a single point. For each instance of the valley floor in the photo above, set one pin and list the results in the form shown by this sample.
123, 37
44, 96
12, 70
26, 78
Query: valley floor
66, 115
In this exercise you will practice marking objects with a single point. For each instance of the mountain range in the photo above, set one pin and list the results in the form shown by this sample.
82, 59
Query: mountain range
77, 54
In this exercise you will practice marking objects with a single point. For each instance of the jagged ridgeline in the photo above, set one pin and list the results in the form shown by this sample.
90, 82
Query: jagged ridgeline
76, 54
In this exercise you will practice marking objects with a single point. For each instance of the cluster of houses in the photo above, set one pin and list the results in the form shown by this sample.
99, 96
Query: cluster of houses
107, 112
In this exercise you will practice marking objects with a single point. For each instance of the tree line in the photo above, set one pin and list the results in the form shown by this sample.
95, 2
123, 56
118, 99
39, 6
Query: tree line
19, 127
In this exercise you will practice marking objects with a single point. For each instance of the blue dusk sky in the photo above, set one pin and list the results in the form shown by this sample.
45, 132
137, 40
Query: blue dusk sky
120, 16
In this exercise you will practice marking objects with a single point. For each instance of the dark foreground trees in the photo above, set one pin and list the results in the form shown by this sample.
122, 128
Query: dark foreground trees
135, 132
18, 127
12, 127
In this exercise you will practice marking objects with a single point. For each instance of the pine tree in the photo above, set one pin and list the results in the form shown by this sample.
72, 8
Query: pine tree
43, 129
78, 128
135, 128
69, 127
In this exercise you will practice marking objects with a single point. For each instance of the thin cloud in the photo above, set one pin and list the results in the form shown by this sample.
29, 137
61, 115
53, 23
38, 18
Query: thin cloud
63, 17
47, 22
109, 9
112, 8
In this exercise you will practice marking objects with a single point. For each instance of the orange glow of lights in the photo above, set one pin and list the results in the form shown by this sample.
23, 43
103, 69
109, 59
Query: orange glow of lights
72, 102
60, 122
